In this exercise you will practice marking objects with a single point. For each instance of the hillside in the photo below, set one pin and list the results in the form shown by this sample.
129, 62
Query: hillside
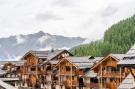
117, 39
14, 46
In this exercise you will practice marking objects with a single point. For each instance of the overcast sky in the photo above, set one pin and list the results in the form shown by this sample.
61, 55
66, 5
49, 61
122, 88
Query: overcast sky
85, 18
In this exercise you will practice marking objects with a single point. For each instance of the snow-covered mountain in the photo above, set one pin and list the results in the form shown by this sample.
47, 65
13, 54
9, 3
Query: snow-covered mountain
15, 46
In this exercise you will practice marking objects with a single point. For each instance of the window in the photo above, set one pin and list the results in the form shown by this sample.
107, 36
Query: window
111, 69
67, 68
94, 80
67, 77
33, 69
73, 68
73, 78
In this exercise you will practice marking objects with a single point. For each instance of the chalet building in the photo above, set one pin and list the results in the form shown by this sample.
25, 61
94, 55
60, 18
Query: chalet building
59, 69
108, 73
74, 72
10, 72
128, 64
38, 67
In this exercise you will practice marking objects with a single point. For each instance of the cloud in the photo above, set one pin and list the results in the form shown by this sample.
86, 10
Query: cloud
43, 39
20, 39
85, 18
47, 16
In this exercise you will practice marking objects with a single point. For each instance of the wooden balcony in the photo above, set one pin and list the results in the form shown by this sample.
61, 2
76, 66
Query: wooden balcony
92, 85
74, 83
34, 72
68, 73
114, 74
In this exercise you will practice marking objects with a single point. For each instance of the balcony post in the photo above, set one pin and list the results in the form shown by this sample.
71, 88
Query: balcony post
59, 77
101, 76
120, 75
71, 76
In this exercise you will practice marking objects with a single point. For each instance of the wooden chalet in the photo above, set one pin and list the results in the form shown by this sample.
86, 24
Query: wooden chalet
10, 72
39, 65
110, 75
74, 72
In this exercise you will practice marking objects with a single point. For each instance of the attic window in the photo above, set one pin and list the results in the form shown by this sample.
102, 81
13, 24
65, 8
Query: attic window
67, 68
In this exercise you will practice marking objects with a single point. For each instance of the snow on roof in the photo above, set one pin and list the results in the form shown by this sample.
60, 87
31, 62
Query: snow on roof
91, 74
127, 83
118, 56
128, 59
2, 72
84, 62
131, 50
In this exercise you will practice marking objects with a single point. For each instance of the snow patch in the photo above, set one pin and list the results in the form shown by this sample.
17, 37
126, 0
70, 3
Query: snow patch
20, 39
43, 39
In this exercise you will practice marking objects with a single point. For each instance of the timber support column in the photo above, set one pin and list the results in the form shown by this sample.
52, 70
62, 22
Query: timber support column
101, 77
120, 75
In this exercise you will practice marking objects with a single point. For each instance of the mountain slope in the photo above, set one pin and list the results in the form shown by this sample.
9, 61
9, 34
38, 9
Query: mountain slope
117, 39
15, 46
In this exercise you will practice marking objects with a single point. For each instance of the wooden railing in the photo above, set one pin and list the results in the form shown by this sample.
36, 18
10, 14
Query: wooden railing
68, 73
74, 83
115, 74
92, 85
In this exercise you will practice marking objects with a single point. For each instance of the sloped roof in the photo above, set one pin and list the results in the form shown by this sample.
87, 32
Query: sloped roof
131, 50
117, 57
127, 83
6, 85
83, 62
47, 54
128, 59
17, 63
53, 62
90, 74
2, 72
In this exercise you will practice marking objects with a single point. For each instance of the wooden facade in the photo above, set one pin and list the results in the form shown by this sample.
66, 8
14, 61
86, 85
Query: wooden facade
109, 73
73, 76
61, 70
67, 74
38, 67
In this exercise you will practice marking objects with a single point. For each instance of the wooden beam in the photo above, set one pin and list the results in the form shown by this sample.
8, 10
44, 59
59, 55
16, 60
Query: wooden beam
101, 76
71, 76
120, 75
59, 76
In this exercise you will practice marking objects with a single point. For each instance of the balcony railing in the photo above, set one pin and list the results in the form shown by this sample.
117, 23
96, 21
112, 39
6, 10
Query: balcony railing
92, 85
74, 83
115, 74
68, 73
